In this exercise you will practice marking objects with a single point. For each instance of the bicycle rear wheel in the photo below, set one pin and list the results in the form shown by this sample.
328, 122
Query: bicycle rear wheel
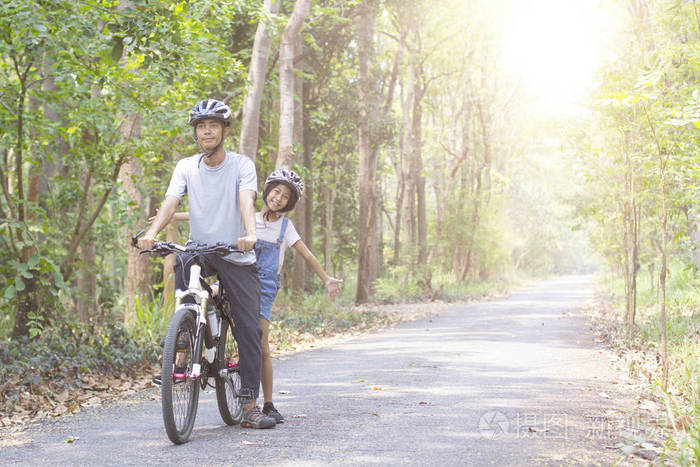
228, 381
179, 392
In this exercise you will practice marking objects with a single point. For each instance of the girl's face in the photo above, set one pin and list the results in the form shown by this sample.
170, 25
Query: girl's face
278, 197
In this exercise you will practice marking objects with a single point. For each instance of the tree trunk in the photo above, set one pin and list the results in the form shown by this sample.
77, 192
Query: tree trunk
256, 76
663, 163
86, 302
368, 159
328, 190
476, 206
172, 232
303, 207
27, 296
694, 235
407, 169
419, 183
285, 155
138, 277
400, 188
662, 275
630, 229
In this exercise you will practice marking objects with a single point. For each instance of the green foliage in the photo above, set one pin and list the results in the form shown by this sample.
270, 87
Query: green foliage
70, 76
315, 314
398, 284
65, 353
682, 399
152, 318
646, 116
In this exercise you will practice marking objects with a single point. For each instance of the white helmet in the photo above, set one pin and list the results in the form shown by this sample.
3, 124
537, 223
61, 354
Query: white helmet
289, 178
210, 108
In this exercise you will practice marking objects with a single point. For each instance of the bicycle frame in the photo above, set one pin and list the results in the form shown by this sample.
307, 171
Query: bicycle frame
201, 297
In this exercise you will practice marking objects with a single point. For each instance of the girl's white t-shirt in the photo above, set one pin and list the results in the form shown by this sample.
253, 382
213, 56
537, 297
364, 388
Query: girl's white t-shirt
270, 232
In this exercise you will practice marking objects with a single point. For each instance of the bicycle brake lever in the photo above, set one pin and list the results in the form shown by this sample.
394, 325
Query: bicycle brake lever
135, 238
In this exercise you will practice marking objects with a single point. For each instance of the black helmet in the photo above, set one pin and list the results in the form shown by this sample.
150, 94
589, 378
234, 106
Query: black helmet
210, 108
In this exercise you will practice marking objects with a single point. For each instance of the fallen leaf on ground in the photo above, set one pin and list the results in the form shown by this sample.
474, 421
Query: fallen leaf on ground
301, 415
377, 388
72, 439
648, 405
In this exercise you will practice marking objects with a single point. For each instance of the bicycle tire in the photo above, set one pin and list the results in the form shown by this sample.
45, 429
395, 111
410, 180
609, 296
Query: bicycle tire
179, 398
228, 380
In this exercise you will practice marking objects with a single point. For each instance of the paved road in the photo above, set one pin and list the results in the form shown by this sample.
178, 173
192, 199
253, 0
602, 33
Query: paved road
518, 380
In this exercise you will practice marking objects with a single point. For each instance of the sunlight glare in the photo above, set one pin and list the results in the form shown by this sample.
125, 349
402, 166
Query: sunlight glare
552, 48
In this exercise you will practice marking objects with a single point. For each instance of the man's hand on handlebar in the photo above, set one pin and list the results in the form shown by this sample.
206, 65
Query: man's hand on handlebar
247, 243
145, 242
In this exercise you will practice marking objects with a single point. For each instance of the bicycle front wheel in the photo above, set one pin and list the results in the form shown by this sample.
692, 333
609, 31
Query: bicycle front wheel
179, 392
228, 381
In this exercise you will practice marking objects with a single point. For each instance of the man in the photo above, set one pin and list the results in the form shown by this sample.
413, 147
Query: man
221, 187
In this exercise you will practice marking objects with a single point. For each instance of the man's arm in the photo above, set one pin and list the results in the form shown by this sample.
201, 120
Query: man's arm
247, 199
165, 213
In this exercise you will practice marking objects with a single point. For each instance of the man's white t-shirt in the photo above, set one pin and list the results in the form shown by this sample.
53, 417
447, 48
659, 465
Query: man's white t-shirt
270, 232
214, 199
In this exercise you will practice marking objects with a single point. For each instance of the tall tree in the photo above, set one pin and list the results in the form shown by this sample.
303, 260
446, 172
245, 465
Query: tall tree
303, 215
285, 155
368, 157
138, 270
256, 77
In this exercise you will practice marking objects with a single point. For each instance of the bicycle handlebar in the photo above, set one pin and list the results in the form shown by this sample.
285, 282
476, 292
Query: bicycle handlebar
165, 248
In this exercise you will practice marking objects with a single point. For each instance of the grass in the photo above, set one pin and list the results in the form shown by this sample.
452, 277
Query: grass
399, 285
302, 317
681, 397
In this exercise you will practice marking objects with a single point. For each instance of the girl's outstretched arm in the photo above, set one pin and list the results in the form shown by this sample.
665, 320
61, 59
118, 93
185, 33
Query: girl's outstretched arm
330, 282
177, 217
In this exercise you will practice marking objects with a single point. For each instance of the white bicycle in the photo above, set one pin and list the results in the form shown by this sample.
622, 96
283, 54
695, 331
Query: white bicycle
200, 344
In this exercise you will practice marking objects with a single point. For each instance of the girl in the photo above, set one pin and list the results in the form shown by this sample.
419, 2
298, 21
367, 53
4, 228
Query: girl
275, 232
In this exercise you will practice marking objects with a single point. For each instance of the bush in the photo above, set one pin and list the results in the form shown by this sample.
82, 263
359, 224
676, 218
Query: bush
64, 353
682, 400
315, 314
403, 284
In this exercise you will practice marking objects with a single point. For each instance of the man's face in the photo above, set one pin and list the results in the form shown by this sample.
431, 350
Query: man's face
210, 132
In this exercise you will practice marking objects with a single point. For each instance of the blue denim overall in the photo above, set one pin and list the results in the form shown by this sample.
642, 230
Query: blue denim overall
268, 254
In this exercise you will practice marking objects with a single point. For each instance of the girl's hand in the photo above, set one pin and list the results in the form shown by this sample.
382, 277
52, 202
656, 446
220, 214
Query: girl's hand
332, 287
152, 219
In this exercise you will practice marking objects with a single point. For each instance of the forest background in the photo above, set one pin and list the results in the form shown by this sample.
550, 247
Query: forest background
431, 170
